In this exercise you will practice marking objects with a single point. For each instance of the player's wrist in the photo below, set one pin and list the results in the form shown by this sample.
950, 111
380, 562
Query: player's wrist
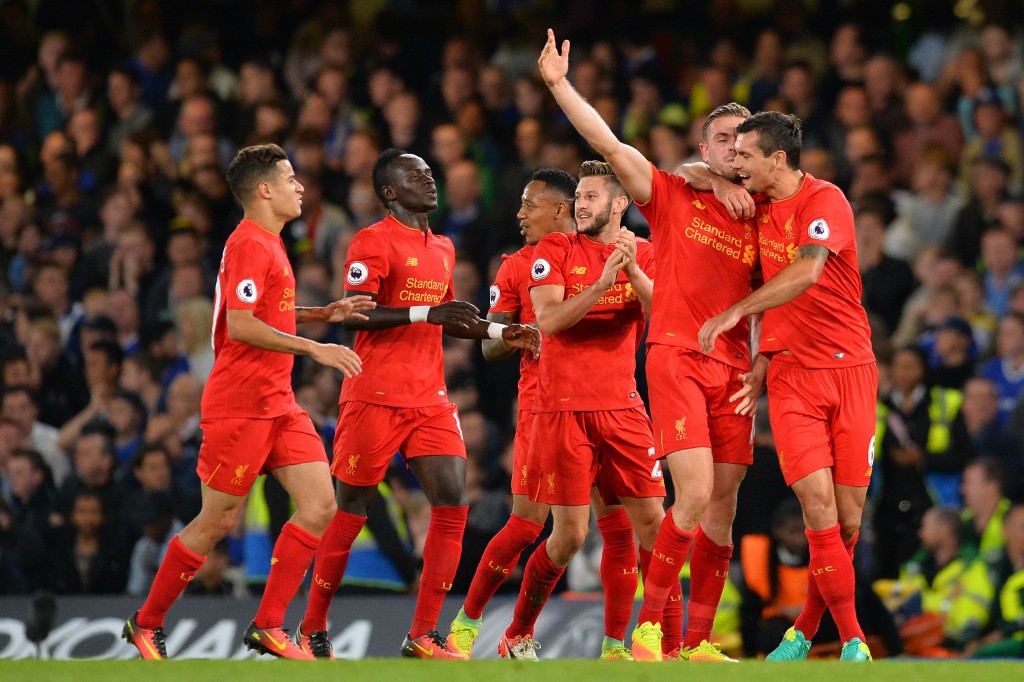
419, 313
495, 330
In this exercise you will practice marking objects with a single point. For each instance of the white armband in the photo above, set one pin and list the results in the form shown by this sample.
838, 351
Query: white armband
494, 330
418, 313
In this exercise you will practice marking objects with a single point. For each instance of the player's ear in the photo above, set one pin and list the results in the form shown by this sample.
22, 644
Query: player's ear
263, 190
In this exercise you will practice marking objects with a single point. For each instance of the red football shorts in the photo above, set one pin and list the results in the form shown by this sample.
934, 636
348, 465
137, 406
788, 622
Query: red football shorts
568, 449
369, 435
235, 451
520, 454
689, 394
823, 418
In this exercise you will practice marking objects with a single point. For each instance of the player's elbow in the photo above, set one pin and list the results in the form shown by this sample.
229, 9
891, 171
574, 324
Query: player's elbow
238, 330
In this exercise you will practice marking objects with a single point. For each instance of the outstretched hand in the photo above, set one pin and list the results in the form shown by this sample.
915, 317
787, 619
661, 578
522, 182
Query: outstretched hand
523, 337
553, 66
348, 309
339, 357
456, 313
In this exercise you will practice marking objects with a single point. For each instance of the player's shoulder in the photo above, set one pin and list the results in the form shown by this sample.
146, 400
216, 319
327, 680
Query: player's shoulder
818, 189
557, 240
442, 240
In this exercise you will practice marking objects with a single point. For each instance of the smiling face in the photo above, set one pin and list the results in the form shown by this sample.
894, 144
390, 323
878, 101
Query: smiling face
594, 205
753, 169
540, 211
412, 184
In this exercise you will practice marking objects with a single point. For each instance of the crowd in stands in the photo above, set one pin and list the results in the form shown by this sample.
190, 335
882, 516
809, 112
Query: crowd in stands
117, 122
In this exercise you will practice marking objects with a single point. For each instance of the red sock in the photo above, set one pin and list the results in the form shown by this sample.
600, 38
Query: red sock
500, 557
329, 567
814, 606
667, 558
832, 570
441, 553
709, 569
289, 562
672, 614
618, 572
175, 573
538, 583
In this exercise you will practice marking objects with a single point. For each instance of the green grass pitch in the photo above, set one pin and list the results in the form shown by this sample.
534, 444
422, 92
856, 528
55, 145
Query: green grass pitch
499, 671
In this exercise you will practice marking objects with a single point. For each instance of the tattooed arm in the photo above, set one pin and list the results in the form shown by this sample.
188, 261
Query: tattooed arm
793, 280
497, 349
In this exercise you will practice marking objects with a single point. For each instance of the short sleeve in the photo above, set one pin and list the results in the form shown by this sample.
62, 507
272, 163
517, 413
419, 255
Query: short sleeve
504, 293
246, 265
367, 264
825, 219
645, 257
548, 259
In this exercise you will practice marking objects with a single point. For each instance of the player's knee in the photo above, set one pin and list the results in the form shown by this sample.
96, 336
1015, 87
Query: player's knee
848, 528
321, 511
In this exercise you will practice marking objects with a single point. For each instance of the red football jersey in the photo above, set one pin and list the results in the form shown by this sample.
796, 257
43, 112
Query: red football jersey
246, 381
402, 366
705, 259
589, 366
825, 326
510, 293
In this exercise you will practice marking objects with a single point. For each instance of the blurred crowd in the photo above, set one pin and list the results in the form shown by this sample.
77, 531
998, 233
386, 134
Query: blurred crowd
117, 121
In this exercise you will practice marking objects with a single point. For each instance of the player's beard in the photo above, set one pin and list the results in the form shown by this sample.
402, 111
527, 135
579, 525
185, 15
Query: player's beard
598, 221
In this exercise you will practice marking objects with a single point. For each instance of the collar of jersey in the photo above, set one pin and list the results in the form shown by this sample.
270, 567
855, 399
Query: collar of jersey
399, 223
259, 228
803, 181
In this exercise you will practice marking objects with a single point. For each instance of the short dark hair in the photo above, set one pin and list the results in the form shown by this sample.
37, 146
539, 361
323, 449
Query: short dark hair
878, 204
776, 131
603, 169
382, 171
991, 468
113, 352
146, 450
558, 180
730, 109
251, 166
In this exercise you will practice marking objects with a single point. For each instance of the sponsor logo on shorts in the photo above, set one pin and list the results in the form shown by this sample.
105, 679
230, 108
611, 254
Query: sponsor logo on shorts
681, 429
656, 471
650, 452
246, 291
353, 462
551, 484
239, 473
871, 455
495, 295
522, 480
357, 273
839, 356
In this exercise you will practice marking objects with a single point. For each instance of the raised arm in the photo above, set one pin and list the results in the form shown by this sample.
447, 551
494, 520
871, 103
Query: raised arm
793, 280
633, 169
625, 242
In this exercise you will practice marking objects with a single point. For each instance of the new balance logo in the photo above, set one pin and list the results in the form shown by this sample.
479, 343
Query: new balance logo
578, 270
412, 261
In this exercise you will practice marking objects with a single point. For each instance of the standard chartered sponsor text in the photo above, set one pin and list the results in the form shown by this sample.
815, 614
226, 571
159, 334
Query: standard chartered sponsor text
434, 294
714, 237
